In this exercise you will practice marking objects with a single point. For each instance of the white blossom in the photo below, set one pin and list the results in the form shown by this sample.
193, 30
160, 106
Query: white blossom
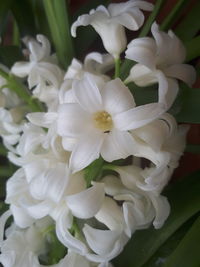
160, 60
100, 120
109, 23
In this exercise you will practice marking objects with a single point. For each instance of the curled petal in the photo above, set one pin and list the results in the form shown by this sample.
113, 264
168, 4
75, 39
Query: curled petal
81, 205
183, 72
143, 51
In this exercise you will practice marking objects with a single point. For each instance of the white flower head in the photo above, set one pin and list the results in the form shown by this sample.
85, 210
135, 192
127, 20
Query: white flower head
100, 119
160, 60
109, 23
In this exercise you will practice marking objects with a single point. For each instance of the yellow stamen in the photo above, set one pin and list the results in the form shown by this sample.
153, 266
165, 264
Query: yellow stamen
103, 121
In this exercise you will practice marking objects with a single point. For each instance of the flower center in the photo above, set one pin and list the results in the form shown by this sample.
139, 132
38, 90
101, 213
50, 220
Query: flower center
103, 121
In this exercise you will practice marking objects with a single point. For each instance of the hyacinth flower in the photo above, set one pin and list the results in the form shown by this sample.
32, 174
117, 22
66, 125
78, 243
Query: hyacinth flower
110, 23
100, 119
160, 60
92, 159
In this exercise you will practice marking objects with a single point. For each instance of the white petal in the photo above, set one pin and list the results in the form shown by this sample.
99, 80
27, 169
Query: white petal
63, 234
42, 119
87, 93
83, 20
167, 90
142, 76
86, 150
3, 219
21, 69
143, 51
110, 214
21, 216
162, 210
117, 97
113, 185
170, 49
117, 145
183, 72
137, 117
40, 210
72, 120
101, 242
81, 205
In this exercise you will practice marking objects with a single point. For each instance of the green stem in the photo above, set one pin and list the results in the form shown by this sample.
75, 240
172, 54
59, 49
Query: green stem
3, 150
173, 15
117, 67
23, 93
58, 19
147, 26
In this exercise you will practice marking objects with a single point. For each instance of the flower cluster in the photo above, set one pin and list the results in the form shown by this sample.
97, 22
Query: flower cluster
89, 122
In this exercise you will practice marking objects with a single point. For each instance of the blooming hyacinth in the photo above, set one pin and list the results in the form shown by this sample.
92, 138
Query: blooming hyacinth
70, 192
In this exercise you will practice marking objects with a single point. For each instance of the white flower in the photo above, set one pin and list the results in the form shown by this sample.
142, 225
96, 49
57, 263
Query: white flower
22, 247
42, 71
94, 62
109, 23
160, 60
100, 119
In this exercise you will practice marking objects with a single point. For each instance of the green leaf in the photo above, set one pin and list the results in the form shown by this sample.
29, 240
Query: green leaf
10, 54
184, 199
170, 245
23, 14
173, 15
193, 48
59, 24
187, 253
147, 26
190, 25
93, 171
189, 99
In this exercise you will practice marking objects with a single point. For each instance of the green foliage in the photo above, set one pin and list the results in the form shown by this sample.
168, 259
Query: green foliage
10, 54
184, 199
174, 14
59, 24
190, 25
187, 253
93, 171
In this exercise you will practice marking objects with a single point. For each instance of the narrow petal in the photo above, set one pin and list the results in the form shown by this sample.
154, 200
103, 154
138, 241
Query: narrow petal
117, 97
183, 72
72, 120
83, 20
142, 75
143, 51
42, 119
81, 205
113, 220
21, 69
87, 93
65, 237
167, 90
139, 116
3, 219
100, 241
170, 49
86, 150
117, 145
162, 210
